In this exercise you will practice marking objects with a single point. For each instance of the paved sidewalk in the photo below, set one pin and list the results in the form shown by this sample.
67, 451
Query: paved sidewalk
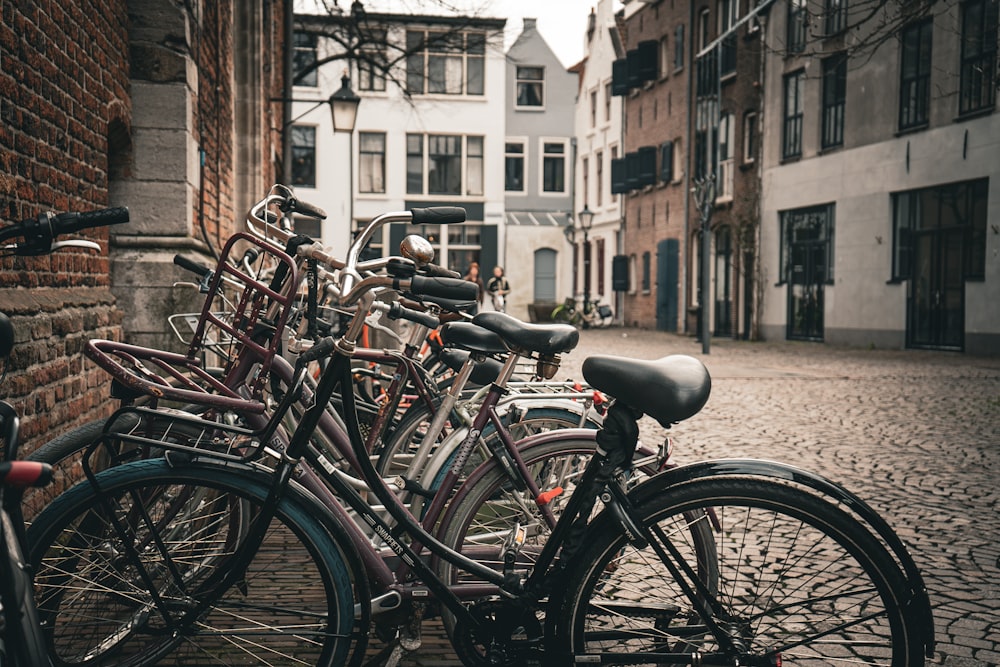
915, 433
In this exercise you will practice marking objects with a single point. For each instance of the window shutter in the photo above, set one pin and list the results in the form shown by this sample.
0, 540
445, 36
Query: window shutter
618, 185
632, 171
619, 77
647, 60
667, 161
634, 69
647, 165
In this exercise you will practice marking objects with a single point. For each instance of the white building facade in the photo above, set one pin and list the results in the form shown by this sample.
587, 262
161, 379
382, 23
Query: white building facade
428, 131
598, 124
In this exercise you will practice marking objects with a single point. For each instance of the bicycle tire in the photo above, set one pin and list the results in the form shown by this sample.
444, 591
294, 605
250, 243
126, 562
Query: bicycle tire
799, 580
486, 508
21, 641
97, 611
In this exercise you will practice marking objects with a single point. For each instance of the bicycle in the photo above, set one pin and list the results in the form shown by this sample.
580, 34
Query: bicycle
21, 640
572, 597
591, 315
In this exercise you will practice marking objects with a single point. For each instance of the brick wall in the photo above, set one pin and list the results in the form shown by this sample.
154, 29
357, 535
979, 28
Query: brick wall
62, 87
108, 103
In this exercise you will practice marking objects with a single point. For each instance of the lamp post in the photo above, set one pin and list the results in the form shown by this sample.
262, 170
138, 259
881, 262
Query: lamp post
586, 218
344, 110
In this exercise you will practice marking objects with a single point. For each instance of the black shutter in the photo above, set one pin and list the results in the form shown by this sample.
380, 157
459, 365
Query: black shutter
634, 69
619, 273
647, 59
667, 161
647, 165
618, 185
632, 171
619, 77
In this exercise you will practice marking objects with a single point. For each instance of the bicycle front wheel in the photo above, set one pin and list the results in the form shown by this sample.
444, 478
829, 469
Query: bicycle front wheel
129, 575
799, 582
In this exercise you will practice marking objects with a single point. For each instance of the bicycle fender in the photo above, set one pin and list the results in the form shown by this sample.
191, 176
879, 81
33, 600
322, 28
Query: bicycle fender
918, 607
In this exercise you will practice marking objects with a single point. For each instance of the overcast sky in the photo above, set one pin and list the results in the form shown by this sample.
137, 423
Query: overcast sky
561, 22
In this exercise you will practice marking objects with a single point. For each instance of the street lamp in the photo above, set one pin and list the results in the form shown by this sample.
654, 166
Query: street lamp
344, 110
586, 218
344, 106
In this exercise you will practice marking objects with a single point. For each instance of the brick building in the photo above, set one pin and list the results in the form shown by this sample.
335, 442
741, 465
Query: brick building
158, 106
676, 134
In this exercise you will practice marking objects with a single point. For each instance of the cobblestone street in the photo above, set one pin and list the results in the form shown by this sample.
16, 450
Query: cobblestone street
914, 433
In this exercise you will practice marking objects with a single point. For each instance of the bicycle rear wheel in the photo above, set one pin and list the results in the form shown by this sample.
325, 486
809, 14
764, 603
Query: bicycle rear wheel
799, 583
119, 573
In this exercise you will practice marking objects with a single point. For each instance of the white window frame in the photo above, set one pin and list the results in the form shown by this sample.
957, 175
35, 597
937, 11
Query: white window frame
377, 184
464, 166
523, 141
748, 156
517, 85
541, 166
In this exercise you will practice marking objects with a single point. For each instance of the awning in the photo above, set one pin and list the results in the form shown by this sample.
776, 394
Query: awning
538, 218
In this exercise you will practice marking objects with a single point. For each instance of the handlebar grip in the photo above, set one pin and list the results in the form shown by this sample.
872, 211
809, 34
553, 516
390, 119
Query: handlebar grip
439, 271
322, 348
446, 288
22, 474
251, 255
438, 215
192, 266
67, 223
400, 312
306, 209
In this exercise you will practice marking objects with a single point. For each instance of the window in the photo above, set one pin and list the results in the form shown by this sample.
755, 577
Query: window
664, 53
679, 46
599, 184
445, 63
443, 173
728, 13
444, 165
646, 278
834, 99
705, 137
304, 58
797, 19
530, 86
371, 162
703, 23
371, 61
956, 207
600, 265
617, 180
585, 174
979, 56
607, 101
750, 137
514, 166
667, 162
836, 16
593, 108
726, 172
415, 164
554, 166
804, 227
304, 156
791, 138
915, 75
474, 166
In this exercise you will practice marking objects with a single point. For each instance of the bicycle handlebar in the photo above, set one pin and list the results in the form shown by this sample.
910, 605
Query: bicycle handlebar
194, 267
38, 233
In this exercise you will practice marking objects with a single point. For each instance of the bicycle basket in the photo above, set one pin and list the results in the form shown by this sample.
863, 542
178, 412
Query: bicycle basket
245, 338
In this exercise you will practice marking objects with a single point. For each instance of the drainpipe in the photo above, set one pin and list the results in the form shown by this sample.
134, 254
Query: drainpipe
687, 168
286, 124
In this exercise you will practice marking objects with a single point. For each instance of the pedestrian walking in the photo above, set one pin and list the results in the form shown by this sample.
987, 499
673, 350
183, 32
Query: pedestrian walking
472, 275
499, 288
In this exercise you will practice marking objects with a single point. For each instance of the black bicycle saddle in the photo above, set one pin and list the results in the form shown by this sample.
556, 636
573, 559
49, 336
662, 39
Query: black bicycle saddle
669, 390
